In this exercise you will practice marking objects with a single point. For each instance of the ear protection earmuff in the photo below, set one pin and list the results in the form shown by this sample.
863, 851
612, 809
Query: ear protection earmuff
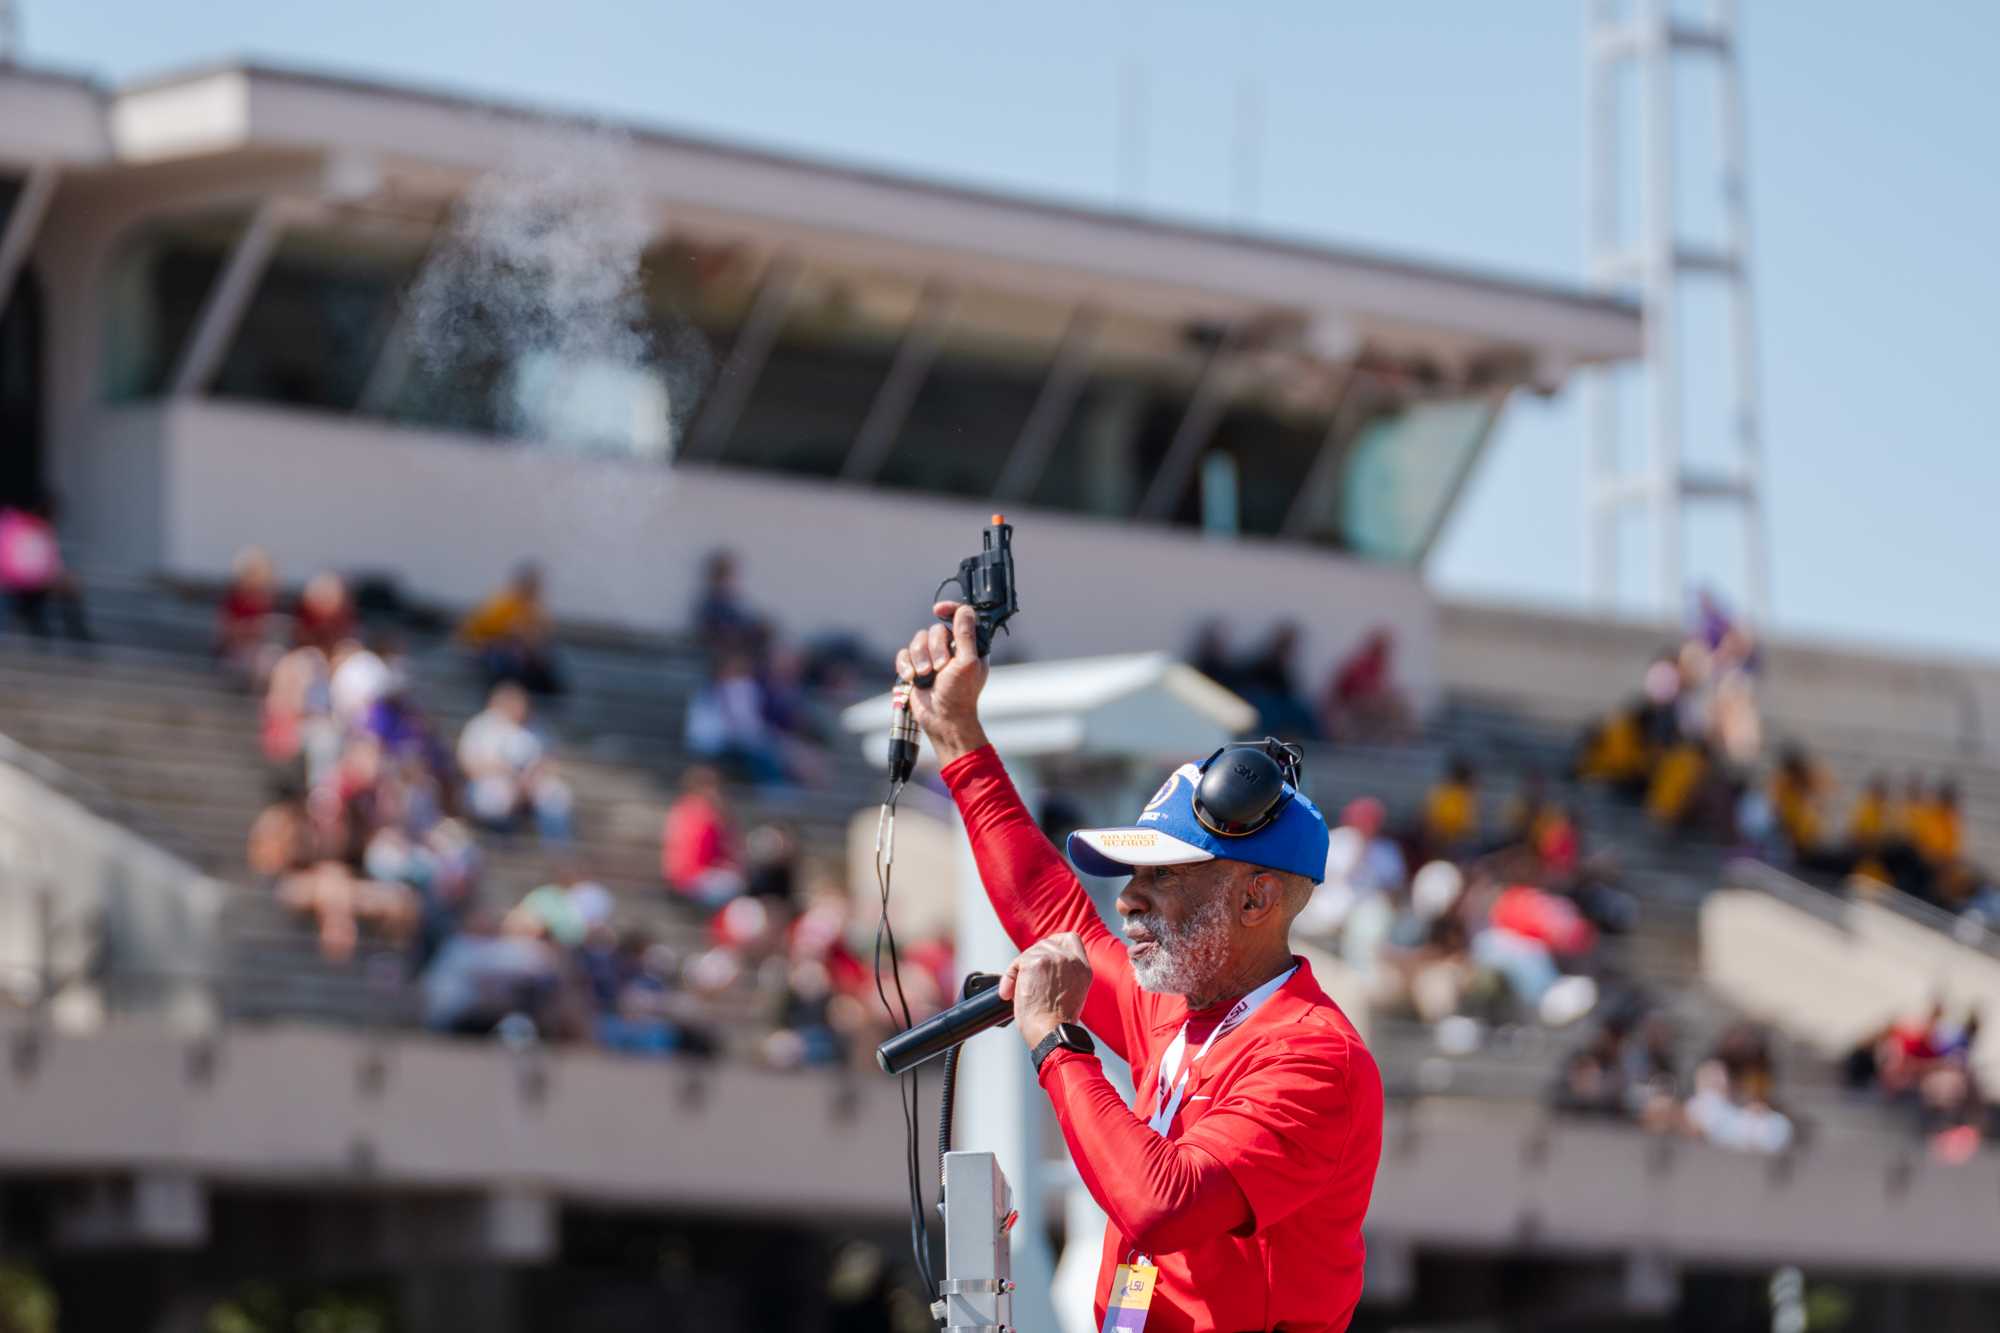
1242, 787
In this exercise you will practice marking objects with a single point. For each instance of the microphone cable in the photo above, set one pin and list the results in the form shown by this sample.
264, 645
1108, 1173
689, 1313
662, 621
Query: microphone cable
908, 1098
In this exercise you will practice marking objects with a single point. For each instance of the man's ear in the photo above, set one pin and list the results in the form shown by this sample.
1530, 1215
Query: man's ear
1259, 894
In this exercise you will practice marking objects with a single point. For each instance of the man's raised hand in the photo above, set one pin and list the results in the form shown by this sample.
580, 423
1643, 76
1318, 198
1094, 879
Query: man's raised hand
948, 709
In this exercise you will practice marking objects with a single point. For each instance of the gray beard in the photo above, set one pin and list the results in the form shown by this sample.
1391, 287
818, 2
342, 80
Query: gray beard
1187, 959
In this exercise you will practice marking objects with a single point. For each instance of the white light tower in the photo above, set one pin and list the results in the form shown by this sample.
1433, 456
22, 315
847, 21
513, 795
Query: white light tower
1660, 265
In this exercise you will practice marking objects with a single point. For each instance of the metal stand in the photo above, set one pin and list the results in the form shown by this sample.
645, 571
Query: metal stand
977, 1290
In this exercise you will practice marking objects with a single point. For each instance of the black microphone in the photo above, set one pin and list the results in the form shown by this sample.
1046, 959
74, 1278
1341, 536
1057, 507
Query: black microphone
940, 1032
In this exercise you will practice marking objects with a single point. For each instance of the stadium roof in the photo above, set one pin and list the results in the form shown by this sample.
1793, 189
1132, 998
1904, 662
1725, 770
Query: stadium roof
427, 143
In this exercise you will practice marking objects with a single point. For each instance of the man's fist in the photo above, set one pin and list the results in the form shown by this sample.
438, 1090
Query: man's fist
1047, 985
947, 710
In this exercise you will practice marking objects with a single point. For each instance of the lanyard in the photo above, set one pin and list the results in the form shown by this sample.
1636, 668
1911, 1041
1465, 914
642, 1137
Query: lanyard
1173, 1072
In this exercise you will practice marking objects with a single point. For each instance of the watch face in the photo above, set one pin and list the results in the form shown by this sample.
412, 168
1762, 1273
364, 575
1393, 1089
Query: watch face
1074, 1036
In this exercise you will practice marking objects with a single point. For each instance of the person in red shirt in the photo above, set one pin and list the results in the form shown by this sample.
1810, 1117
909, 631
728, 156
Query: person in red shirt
1244, 1168
697, 848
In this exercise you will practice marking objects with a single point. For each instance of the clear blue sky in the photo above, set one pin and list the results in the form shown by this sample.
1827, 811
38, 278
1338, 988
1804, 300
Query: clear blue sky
1449, 129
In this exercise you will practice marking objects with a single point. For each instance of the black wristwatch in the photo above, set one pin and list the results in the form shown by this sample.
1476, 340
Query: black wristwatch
1065, 1037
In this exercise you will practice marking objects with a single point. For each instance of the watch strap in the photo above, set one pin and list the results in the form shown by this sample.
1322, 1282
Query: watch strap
1063, 1037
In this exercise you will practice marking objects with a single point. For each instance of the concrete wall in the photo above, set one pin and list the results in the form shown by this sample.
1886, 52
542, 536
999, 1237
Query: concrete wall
1492, 1176
622, 541
301, 1105
335, 1111
118, 921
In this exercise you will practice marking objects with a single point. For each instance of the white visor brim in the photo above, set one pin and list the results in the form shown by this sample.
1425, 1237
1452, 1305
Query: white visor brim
1110, 852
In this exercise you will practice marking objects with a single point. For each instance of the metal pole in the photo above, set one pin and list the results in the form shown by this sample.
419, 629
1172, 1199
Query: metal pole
905, 379
1663, 386
731, 391
1746, 416
1001, 1107
223, 308
1069, 369
1204, 410
1599, 387
24, 223
45, 951
1326, 464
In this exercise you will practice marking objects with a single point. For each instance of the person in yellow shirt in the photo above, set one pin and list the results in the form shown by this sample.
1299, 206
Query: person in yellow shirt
1937, 829
1868, 826
1795, 789
1869, 830
1451, 810
1616, 752
512, 635
1677, 778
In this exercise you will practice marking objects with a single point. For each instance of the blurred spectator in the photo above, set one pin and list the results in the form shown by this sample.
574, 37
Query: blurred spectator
1936, 830
507, 769
1365, 869
772, 857
290, 851
1673, 795
1362, 702
512, 636
1868, 828
325, 616
799, 728
1729, 1116
32, 572
721, 617
1382, 868
697, 854
1426, 959
1658, 710
1523, 809
726, 722
1268, 682
634, 986
1618, 751
1210, 654
1527, 930
361, 675
1797, 792
1593, 1080
1733, 1105
407, 736
300, 738
248, 625
1451, 810
482, 975
565, 910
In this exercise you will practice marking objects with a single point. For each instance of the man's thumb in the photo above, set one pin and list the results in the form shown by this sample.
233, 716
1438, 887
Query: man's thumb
965, 634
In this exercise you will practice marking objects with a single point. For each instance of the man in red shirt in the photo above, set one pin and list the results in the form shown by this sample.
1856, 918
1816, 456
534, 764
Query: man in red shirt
1244, 1172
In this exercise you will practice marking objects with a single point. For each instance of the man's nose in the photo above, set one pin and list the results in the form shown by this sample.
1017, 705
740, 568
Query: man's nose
1132, 900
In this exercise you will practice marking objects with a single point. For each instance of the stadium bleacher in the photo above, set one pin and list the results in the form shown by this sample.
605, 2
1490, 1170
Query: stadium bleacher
162, 741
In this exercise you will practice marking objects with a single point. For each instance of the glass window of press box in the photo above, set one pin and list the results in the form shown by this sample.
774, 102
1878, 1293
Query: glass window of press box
955, 390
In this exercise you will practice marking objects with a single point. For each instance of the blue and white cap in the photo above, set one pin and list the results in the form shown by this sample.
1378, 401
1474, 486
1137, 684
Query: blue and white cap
1169, 834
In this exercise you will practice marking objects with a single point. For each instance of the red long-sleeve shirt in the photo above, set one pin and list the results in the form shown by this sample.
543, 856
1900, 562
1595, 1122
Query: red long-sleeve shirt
1251, 1203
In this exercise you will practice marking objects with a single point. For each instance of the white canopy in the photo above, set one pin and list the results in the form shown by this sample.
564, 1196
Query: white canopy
1142, 705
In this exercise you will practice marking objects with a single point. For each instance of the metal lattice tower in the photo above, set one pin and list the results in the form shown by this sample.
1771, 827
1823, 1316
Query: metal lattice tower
1660, 265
